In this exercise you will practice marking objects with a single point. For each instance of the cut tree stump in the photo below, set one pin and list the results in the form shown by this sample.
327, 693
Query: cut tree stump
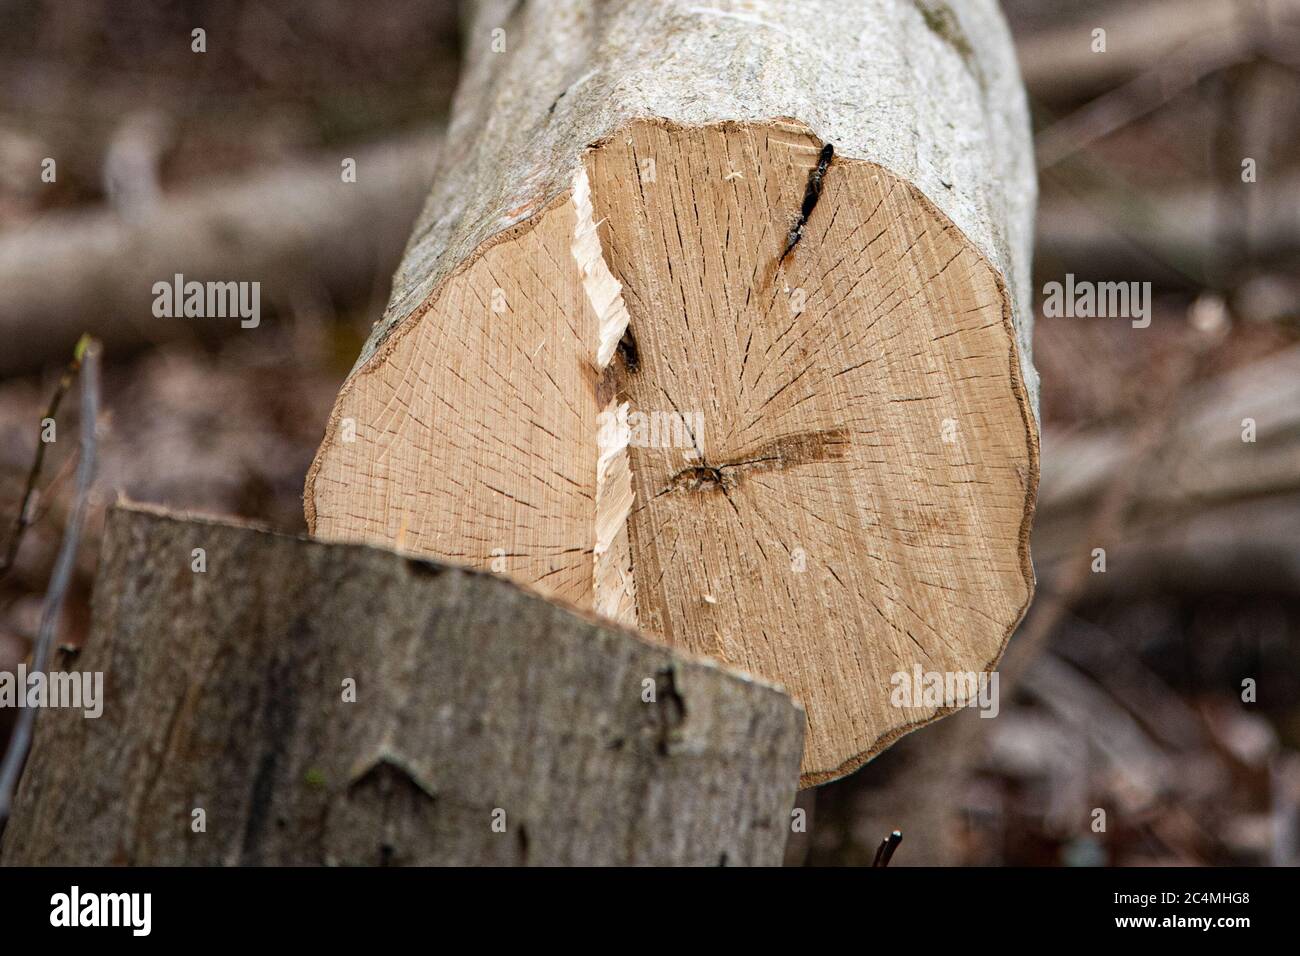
489, 726
717, 322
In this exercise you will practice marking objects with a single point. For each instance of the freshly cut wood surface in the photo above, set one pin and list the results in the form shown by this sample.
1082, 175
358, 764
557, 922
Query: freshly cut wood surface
691, 363
488, 726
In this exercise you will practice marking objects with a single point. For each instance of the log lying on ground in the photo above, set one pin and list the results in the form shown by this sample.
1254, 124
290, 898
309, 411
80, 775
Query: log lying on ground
801, 263
476, 704
301, 231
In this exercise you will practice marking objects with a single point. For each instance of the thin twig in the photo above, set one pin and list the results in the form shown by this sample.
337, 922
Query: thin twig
14, 758
885, 852
23, 519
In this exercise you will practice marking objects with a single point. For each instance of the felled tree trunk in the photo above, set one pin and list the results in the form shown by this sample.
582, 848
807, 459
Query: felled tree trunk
308, 703
717, 321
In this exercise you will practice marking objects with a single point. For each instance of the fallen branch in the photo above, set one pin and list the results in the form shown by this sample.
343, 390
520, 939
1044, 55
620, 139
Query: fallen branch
1060, 64
1110, 233
299, 231
1135, 99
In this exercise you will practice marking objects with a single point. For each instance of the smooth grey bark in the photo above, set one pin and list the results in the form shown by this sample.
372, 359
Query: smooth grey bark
928, 89
475, 702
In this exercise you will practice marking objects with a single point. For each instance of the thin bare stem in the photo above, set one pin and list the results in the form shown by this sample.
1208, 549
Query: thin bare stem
885, 852
24, 518
12, 765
